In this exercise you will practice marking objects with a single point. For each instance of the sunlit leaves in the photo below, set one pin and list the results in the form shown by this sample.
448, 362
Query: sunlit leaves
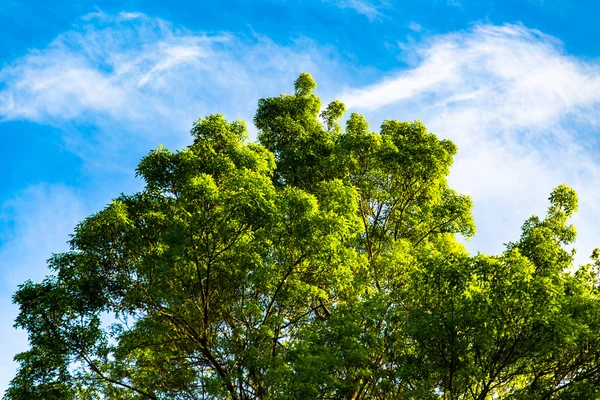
320, 262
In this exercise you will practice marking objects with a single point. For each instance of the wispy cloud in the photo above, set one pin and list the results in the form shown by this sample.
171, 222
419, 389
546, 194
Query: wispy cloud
372, 9
151, 78
415, 27
524, 114
533, 80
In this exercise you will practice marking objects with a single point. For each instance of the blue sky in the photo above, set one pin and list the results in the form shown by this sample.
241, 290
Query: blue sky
88, 87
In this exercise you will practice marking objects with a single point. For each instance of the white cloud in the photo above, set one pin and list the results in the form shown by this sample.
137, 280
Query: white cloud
415, 27
370, 8
523, 113
144, 75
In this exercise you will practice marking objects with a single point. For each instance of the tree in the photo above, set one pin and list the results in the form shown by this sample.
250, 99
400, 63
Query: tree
320, 263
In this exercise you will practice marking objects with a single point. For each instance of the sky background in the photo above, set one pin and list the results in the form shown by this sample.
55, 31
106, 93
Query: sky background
89, 87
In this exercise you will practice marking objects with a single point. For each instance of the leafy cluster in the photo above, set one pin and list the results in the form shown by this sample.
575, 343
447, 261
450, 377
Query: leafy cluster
318, 263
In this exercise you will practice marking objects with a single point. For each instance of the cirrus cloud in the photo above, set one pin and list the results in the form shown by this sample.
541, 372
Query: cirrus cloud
150, 78
523, 113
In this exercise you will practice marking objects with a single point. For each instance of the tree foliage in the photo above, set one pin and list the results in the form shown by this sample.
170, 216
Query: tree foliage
318, 263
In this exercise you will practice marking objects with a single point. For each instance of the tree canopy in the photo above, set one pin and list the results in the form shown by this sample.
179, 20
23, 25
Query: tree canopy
320, 262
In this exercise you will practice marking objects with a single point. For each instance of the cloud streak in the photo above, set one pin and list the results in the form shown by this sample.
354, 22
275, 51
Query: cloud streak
372, 9
533, 80
152, 76
524, 114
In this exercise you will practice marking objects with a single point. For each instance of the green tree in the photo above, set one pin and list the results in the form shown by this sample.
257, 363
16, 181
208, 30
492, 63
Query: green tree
319, 263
